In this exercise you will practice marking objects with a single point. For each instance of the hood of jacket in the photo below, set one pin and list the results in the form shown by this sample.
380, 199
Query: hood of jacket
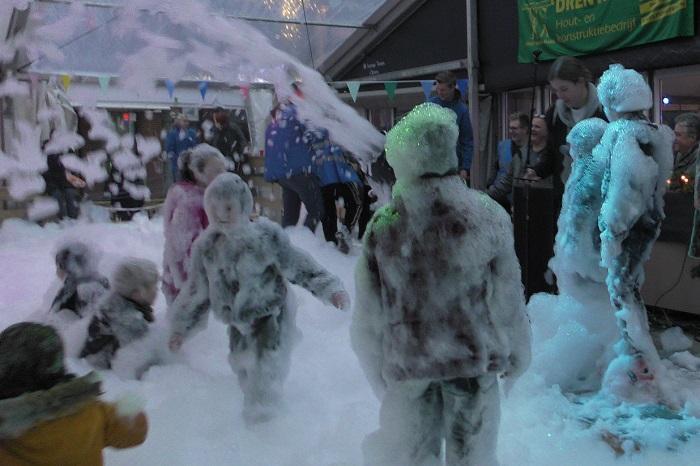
19, 414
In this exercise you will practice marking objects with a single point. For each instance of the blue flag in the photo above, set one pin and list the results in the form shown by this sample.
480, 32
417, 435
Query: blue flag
203, 86
170, 86
427, 87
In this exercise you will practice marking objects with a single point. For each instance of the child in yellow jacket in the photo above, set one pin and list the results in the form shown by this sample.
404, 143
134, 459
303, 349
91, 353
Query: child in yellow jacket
50, 417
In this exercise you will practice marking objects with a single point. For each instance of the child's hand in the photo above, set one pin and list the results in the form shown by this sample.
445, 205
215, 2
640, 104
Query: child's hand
175, 342
341, 300
75, 181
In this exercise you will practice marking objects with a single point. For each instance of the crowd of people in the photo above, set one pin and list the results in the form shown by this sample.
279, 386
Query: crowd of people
536, 152
432, 345
219, 256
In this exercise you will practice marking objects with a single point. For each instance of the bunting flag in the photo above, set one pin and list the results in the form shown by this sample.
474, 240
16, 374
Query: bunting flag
203, 86
427, 85
34, 79
66, 80
245, 90
170, 86
354, 88
463, 85
90, 19
104, 82
390, 87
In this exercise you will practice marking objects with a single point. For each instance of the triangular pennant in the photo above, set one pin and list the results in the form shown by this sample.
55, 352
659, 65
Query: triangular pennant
390, 87
354, 88
104, 82
203, 86
66, 80
170, 86
463, 85
34, 79
427, 85
245, 90
90, 19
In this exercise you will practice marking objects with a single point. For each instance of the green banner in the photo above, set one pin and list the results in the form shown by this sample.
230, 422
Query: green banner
580, 27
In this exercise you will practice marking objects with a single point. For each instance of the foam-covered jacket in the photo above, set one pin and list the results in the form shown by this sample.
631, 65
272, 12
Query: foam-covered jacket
184, 219
576, 260
241, 274
117, 322
65, 425
79, 293
639, 160
438, 288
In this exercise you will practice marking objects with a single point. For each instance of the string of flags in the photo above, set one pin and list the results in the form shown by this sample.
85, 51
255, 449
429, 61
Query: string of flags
66, 81
92, 22
390, 87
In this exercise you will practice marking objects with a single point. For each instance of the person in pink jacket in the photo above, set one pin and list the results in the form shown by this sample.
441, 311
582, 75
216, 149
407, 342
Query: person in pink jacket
183, 213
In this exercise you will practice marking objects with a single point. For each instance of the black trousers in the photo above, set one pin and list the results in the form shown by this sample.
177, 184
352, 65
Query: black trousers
352, 198
300, 189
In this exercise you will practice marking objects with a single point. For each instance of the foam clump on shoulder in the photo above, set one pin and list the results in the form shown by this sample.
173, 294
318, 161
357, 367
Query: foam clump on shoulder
585, 135
423, 142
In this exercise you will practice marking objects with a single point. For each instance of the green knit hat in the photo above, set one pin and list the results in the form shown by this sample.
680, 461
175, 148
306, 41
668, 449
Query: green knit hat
31, 358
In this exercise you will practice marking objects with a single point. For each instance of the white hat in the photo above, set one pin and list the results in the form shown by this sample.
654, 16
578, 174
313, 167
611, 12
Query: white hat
622, 90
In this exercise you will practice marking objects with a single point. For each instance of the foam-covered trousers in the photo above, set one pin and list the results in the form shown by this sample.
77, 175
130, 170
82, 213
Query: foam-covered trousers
261, 359
416, 416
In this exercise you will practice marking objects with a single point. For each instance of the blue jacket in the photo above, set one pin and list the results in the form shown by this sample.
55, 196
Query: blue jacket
286, 152
329, 163
175, 145
465, 141
505, 155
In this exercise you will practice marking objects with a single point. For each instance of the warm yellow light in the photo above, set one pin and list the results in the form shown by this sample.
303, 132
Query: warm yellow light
292, 10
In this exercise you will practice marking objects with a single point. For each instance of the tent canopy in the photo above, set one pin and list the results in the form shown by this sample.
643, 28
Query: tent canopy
309, 30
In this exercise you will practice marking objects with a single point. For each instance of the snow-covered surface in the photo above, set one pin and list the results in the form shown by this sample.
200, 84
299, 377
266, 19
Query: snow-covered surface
674, 340
194, 401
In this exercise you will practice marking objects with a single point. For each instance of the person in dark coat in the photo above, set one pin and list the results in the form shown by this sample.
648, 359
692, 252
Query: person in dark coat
500, 189
64, 186
125, 314
577, 99
230, 140
448, 96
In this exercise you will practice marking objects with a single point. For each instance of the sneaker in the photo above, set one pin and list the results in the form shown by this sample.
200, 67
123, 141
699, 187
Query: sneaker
343, 241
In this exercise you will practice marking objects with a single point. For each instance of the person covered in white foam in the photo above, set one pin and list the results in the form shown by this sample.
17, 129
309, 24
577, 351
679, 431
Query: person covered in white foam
241, 270
639, 160
439, 309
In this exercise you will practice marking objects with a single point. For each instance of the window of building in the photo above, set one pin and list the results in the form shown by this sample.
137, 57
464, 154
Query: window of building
676, 91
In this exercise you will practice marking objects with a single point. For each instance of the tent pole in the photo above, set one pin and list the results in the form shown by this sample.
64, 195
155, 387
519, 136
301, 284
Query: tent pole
478, 175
